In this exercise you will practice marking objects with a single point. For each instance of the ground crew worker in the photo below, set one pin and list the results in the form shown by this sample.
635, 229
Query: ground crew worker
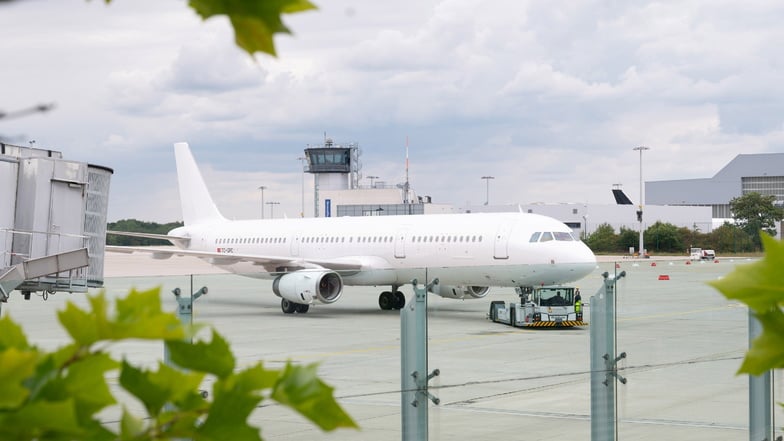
578, 301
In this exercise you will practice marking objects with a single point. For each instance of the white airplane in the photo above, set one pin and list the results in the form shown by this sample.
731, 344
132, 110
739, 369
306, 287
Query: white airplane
311, 259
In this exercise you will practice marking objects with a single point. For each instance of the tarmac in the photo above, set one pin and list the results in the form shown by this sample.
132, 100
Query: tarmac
684, 342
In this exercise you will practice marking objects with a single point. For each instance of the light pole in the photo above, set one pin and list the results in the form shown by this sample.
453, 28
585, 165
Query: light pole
487, 194
302, 209
371, 180
272, 207
642, 199
262, 200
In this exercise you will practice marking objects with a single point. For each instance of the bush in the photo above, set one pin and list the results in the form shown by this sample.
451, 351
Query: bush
57, 395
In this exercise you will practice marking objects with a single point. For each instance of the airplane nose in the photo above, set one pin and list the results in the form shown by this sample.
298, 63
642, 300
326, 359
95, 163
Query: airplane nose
586, 255
584, 260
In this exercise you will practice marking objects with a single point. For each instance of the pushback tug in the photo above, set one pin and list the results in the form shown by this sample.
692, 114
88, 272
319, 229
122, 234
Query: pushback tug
542, 306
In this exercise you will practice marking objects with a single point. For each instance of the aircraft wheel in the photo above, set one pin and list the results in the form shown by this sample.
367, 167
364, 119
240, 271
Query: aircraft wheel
400, 300
302, 308
288, 307
386, 300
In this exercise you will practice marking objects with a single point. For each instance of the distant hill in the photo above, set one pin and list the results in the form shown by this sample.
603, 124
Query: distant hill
138, 226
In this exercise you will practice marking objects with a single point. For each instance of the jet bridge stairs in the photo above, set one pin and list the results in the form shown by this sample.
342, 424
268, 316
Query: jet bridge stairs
55, 272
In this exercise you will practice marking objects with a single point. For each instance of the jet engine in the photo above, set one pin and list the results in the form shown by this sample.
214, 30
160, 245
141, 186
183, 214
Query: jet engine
460, 292
304, 286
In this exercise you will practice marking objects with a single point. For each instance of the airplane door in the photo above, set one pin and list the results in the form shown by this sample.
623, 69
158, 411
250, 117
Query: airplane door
400, 244
501, 244
294, 241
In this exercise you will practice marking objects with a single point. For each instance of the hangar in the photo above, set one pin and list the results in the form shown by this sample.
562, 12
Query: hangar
761, 173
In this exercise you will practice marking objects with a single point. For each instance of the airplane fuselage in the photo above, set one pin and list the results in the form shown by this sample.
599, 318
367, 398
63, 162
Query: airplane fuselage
482, 249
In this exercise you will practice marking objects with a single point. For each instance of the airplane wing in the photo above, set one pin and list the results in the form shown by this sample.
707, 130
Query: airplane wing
182, 240
271, 264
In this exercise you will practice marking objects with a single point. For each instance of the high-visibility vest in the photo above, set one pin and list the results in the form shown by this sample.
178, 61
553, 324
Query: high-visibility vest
578, 306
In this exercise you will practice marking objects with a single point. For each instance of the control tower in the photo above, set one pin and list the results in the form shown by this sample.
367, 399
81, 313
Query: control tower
334, 167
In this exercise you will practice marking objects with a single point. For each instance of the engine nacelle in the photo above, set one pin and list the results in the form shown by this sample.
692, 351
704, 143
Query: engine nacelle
304, 287
460, 292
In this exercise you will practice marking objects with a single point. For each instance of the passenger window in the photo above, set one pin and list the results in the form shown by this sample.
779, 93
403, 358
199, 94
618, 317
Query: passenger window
546, 237
535, 237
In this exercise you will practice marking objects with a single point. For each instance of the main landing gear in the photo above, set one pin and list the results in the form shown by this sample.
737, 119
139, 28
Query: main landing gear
289, 307
392, 299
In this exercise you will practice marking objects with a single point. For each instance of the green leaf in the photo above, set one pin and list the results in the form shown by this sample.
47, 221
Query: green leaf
300, 389
42, 419
255, 21
11, 335
234, 399
130, 426
233, 402
81, 326
138, 315
760, 285
155, 389
767, 350
16, 365
85, 383
214, 357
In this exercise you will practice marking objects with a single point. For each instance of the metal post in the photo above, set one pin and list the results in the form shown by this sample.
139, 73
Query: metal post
413, 367
184, 313
760, 395
272, 205
262, 200
302, 161
604, 371
487, 191
642, 198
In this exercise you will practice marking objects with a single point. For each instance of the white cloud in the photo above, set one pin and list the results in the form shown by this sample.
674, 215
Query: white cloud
548, 98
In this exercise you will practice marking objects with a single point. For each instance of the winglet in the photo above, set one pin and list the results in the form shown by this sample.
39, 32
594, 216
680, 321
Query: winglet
197, 204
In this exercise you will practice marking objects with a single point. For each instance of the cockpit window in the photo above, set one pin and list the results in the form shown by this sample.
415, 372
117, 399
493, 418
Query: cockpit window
546, 236
535, 237
563, 236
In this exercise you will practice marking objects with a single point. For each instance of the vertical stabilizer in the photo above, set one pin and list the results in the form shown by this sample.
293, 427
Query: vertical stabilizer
197, 204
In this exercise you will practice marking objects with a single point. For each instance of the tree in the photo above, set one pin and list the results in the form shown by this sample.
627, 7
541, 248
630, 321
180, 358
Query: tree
139, 227
754, 212
730, 238
603, 239
628, 238
663, 237
58, 394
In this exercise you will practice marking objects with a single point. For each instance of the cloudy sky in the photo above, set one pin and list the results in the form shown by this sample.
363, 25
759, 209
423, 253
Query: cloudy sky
550, 98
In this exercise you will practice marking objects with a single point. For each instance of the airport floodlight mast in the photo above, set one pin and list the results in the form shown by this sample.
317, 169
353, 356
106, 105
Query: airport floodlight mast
372, 178
272, 207
487, 191
262, 200
642, 198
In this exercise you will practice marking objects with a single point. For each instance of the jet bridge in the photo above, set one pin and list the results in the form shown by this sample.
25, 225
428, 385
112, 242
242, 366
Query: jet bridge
52, 222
